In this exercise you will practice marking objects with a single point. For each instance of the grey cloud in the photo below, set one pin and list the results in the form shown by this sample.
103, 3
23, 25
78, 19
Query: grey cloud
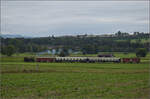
66, 18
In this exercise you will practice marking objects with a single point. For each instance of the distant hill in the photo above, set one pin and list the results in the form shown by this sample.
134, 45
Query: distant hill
12, 36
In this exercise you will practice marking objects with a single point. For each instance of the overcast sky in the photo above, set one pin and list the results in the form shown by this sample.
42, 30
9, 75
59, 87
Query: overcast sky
44, 18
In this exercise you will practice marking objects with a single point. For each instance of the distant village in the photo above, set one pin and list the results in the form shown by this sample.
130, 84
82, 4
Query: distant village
57, 50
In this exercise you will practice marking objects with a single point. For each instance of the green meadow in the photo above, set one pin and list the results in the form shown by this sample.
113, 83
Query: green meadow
23, 80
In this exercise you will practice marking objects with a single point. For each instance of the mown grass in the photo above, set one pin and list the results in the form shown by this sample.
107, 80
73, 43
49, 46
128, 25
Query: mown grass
74, 80
75, 85
22, 80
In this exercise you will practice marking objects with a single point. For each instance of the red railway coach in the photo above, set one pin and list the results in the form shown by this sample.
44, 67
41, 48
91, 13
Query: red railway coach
45, 59
135, 60
131, 60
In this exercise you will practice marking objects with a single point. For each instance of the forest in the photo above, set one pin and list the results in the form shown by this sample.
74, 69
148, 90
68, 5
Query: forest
120, 42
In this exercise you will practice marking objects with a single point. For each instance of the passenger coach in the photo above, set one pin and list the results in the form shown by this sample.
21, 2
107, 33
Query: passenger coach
77, 59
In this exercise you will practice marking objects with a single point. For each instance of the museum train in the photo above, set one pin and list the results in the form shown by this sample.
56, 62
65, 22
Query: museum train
82, 59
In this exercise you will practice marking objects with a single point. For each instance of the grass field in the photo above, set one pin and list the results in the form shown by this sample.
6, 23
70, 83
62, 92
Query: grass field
74, 80
141, 41
136, 40
20, 57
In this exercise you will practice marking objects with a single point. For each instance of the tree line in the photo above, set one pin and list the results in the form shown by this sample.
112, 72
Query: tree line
87, 45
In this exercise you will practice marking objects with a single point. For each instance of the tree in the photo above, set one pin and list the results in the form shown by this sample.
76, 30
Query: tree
90, 49
29, 48
141, 52
9, 50
118, 33
62, 54
3, 50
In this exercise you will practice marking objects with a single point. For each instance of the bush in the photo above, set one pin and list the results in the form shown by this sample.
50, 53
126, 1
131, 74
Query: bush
8, 50
141, 52
62, 54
